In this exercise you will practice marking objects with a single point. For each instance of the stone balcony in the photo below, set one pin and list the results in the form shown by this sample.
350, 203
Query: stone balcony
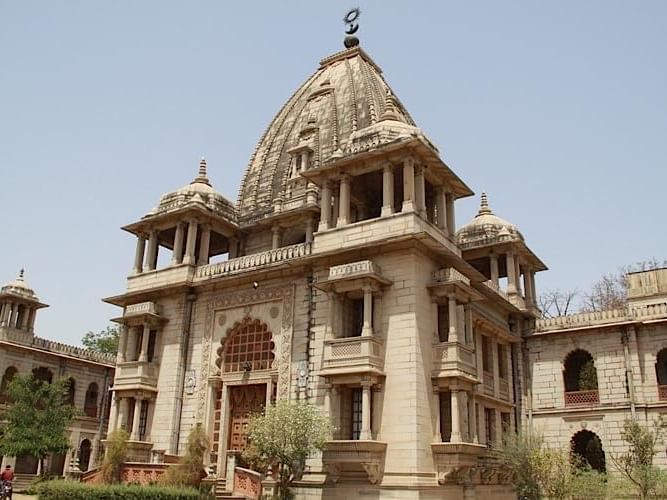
582, 398
159, 278
354, 459
353, 355
453, 461
488, 383
141, 375
453, 358
504, 388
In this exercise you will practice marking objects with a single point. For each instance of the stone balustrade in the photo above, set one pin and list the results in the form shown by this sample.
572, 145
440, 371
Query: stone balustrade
136, 373
662, 392
79, 352
143, 308
253, 261
247, 483
496, 288
645, 312
582, 398
452, 356
504, 388
353, 354
353, 269
449, 274
488, 383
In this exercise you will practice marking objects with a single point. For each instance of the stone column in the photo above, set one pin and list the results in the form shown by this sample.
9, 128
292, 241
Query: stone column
344, 216
327, 404
456, 416
113, 414
309, 230
31, 320
453, 334
387, 190
365, 434
498, 434
478, 356
437, 431
493, 345
134, 436
177, 254
467, 311
528, 286
481, 424
472, 419
511, 273
330, 333
408, 185
304, 160
204, 245
336, 205
122, 344
191, 241
143, 356
451, 224
3, 312
493, 262
151, 256
531, 275
440, 208
277, 233
13, 315
233, 248
420, 191
25, 318
367, 329
123, 412
139, 254
517, 270
325, 206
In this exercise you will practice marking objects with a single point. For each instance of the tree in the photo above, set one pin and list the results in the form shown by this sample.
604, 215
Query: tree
36, 419
105, 341
287, 434
554, 303
115, 456
636, 464
190, 468
588, 377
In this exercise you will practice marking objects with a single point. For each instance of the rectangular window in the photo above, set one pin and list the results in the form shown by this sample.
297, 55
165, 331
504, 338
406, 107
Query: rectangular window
139, 335
446, 416
143, 420
130, 415
490, 424
356, 413
443, 322
486, 355
151, 344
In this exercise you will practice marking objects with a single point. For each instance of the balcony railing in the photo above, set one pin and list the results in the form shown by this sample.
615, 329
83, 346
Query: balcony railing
449, 356
353, 354
488, 380
662, 392
582, 398
136, 373
504, 388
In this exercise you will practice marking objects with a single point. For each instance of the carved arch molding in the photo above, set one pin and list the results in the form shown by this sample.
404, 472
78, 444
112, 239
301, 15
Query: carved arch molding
244, 298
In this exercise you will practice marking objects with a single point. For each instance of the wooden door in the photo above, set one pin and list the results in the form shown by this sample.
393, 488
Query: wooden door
245, 400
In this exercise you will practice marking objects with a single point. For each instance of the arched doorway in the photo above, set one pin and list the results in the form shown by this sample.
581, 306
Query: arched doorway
84, 455
586, 449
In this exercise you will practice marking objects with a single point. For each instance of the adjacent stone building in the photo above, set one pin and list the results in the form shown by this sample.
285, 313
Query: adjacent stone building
337, 277
90, 375
590, 372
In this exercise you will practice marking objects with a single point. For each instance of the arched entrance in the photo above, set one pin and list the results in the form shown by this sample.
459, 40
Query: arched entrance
586, 449
84, 455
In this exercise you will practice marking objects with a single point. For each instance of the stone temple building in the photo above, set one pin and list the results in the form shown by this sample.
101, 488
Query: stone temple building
90, 375
590, 372
338, 277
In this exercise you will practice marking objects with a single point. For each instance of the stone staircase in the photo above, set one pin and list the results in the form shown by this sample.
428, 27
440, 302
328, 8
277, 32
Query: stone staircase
222, 494
22, 481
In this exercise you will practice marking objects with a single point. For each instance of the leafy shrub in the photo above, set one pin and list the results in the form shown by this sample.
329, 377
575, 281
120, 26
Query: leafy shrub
69, 490
190, 468
115, 456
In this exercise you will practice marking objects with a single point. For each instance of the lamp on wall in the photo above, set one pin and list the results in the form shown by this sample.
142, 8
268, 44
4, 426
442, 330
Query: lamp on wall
247, 366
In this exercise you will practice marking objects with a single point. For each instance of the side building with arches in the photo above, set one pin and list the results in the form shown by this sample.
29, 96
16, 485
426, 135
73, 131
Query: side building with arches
589, 372
90, 375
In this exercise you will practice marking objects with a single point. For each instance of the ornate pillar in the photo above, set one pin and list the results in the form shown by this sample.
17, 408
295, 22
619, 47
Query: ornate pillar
467, 312
453, 334
139, 254
451, 225
481, 424
151, 256
344, 216
330, 333
511, 273
437, 431
232, 248
123, 411
134, 436
13, 315
456, 416
408, 185
365, 434
113, 414
309, 230
325, 206
528, 286
367, 329
122, 344
204, 245
493, 261
277, 233
190, 243
327, 403
31, 320
387, 190
440, 207
493, 345
25, 318
3, 312
517, 270
177, 254
531, 275
420, 191
472, 419
143, 356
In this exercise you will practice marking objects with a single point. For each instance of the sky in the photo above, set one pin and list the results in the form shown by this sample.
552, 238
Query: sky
558, 110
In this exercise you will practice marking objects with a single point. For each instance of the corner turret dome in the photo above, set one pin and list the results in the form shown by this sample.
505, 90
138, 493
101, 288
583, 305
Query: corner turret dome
325, 117
486, 228
19, 288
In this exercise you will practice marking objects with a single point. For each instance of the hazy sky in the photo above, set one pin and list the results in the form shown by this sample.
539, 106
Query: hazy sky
557, 109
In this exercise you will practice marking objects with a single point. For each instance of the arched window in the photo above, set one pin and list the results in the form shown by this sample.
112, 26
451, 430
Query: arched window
90, 405
586, 450
661, 373
6, 379
71, 391
84, 455
43, 374
580, 378
248, 347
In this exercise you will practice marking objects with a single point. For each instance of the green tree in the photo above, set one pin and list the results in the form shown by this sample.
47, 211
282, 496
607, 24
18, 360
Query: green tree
588, 377
285, 436
190, 468
105, 341
36, 418
116, 454
636, 464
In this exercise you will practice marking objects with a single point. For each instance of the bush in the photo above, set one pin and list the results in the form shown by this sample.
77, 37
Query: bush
115, 456
190, 468
68, 490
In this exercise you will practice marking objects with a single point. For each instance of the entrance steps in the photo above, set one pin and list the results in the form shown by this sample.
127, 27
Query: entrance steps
21, 482
222, 494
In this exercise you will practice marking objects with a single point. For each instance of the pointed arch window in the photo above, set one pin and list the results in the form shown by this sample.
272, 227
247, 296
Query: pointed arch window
8, 376
249, 347
90, 405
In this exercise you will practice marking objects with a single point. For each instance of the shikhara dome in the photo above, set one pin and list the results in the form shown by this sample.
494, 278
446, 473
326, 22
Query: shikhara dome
346, 94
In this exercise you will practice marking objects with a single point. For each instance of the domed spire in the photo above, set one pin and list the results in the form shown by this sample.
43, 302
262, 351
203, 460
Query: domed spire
484, 208
21, 272
202, 176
